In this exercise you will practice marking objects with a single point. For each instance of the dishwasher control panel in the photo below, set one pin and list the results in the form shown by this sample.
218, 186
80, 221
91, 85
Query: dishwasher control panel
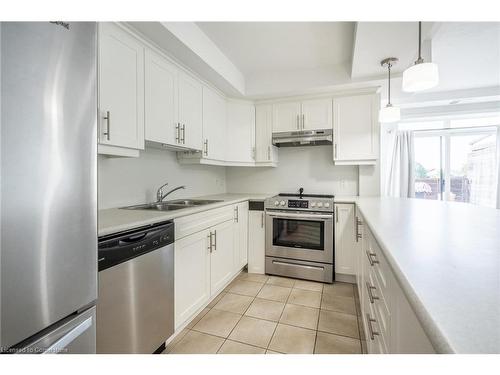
120, 247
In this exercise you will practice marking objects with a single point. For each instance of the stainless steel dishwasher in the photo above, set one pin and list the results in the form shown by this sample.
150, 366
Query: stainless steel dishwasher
135, 307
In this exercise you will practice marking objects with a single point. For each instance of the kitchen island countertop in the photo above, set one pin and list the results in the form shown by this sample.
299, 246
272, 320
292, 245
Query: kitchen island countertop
446, 258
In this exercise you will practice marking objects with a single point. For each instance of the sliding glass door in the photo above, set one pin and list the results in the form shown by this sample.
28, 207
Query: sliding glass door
456, 165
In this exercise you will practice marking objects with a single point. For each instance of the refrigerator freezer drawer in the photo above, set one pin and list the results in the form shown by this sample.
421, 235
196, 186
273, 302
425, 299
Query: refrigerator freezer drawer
76, 335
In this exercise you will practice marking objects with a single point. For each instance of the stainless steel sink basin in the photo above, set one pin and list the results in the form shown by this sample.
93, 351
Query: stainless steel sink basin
172, 205
192, 202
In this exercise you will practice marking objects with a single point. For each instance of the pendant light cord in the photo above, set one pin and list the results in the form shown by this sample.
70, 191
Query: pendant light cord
419, 60
389, 85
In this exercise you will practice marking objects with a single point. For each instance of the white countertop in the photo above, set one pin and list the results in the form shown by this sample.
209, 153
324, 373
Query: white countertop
115, 220
446, 257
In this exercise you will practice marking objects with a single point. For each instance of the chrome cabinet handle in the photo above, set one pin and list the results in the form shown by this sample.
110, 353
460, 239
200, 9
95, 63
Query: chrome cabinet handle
373, 333
236, 214
269, 153
262, 220
372, 258
107, 133
336, 214
370, 294
358, 235
184, 134
209, 237
177, 133
215, 242
303, 121
206, 147
298, 122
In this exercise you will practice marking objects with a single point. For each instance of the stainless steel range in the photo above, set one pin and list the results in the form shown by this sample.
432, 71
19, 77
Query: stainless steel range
299, 236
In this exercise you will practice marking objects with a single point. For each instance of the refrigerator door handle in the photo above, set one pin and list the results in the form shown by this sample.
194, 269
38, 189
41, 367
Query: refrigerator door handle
64, 341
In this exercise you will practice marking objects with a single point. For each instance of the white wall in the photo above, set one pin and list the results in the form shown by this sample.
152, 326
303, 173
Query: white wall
127, 181
309, 167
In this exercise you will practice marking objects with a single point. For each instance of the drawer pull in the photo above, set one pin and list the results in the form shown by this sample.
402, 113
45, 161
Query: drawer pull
373, 333
297, 265
372, 258
370, 294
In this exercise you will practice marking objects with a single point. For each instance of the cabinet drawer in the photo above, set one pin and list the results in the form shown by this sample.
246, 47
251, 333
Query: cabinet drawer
377, 262
376, 340
379, 306
184, 226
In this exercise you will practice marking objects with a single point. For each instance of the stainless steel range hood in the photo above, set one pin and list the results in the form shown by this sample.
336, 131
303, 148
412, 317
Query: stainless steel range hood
303, 138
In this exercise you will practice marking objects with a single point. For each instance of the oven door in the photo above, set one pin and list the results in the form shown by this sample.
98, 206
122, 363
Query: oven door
300, 235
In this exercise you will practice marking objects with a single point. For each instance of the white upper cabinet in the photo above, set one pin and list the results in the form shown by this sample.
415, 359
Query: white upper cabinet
240, 145
311, 114
355, 129
286, 117
265, 152
214, 125
190, 112
316, 114
160, 99
121, 88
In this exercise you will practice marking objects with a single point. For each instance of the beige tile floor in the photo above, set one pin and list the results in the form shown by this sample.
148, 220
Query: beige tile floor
260, 314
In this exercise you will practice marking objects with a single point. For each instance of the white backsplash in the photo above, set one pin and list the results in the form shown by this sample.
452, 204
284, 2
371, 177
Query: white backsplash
127, 181
309, 167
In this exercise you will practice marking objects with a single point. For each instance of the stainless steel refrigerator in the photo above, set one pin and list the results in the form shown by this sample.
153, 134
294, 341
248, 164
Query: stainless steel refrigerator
48, 248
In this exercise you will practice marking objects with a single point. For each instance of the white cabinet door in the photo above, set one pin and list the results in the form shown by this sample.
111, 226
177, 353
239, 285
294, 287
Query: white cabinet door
241, 236
345, 240
240, 132
355, 128
121, 88
190, 112
222, 255
256, 242
214, 125
264, 150
160, 99
286, 117
192, 275
317, 114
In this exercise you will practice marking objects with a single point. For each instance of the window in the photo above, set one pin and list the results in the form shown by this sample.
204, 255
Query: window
457, 165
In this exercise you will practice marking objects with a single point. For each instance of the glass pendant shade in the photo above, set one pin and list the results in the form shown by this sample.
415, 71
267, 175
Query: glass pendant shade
420, 77
389, 114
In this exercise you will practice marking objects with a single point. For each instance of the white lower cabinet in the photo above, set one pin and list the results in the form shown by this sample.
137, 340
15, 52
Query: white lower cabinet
192, 275
222, 255
241, 236
256, 242
345, 238
389, 322
208, 247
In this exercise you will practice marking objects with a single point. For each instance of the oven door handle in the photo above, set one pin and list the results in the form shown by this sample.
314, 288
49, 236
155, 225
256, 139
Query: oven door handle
299, 216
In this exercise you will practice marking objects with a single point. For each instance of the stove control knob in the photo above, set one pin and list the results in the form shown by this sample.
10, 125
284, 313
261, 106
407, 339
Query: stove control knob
313, 204
327, 205
282, 203
276, 203
320, 204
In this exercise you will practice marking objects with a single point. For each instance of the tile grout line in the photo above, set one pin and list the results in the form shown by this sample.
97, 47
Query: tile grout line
241, 317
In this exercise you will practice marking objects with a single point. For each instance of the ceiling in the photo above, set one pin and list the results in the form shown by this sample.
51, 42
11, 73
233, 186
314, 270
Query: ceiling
259, 47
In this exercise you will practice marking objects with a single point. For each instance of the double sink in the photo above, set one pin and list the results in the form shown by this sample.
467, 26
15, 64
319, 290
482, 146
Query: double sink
178, 204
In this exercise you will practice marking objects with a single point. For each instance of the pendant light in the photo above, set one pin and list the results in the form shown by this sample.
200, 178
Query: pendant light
422, 75
389, 113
